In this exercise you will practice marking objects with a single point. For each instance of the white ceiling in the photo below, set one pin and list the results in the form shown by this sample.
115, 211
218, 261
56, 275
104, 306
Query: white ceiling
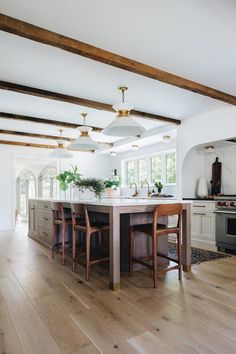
193, 39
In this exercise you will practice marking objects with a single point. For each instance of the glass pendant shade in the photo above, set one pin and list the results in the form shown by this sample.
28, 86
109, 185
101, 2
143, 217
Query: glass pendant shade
84, 142
61, 152
124, 125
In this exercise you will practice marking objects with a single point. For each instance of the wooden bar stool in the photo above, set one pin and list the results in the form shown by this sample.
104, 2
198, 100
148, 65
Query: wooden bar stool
156, 230
59, 218
81, 222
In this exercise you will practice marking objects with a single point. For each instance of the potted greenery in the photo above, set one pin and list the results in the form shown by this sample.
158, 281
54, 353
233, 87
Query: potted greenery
112, 186
67, 178
159, 186
92, 184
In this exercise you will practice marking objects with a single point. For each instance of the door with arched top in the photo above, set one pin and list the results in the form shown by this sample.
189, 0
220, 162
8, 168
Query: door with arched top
25, 189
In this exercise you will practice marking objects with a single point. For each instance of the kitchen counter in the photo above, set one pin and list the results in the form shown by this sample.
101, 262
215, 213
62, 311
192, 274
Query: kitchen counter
121, 213
123, 201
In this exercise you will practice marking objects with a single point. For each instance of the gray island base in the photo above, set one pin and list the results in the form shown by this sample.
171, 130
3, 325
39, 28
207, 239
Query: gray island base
121, 213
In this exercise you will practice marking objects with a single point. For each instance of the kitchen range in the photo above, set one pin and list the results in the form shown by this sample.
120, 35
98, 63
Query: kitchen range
214, 223
226, 222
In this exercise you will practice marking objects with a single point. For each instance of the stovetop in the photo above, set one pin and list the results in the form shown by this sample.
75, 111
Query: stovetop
225, 197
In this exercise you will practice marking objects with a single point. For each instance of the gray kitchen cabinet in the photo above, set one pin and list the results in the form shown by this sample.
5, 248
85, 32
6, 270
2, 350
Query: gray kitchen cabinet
33, 219
40, 222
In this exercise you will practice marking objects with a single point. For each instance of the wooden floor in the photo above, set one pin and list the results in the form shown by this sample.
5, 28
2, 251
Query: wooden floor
44, 308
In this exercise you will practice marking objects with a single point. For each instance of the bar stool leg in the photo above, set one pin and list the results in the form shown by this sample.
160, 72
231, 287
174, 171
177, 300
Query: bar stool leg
63, 244
154, 250
53, 240
100, 241
74, 234
88, 238
179, 256
131, 252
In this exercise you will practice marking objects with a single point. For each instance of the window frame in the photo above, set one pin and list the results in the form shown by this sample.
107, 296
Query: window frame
41, 178
148, 158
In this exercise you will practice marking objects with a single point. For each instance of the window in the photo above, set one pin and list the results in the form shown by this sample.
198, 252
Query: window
142, 171
25, 188
170, 168
48, 183
160, 167
156, 169
130, 172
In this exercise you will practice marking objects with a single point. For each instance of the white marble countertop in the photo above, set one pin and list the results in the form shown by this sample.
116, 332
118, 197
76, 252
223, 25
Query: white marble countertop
119, 201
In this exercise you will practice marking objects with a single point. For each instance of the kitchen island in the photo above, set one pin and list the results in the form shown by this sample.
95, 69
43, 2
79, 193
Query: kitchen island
121, 214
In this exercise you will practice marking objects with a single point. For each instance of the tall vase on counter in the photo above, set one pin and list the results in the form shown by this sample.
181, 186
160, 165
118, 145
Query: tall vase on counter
202, 190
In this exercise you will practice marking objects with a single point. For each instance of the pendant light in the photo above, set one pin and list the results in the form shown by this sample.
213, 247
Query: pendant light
124, 125
60, 152
84, 142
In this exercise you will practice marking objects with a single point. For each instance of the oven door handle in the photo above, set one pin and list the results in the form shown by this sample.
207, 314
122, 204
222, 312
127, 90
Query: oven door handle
224, 212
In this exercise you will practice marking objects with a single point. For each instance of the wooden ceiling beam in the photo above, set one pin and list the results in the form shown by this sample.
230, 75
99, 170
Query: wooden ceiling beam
40, 146
32, 145
43, 136
41, 35
4, 85
20, 143
45, 121
33, 135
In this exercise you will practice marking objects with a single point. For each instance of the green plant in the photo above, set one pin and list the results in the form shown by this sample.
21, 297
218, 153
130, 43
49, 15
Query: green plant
112, 182
95, 185
67, 177
159, 186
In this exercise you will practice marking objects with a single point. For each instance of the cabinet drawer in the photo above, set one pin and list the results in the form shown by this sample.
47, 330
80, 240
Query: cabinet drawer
44, 206
45, 235
45, 218
201, 207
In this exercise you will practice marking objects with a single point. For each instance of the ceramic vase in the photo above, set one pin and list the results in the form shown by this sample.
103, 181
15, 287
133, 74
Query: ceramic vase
202, 190
113, 193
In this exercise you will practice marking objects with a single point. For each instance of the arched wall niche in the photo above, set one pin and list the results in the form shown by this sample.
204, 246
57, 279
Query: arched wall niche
204, 129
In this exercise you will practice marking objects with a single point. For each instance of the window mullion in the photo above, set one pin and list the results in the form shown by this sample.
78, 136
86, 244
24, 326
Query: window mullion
149, 170
163, 172
136, 177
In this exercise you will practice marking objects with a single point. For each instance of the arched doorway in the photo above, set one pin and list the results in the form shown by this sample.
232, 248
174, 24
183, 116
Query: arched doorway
48, 183
25, 189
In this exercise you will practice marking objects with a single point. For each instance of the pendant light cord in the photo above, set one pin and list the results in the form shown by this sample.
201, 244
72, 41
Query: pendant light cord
84, 115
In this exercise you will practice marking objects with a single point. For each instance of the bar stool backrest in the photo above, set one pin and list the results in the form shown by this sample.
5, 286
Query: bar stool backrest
58, 211
80, 214
168, 210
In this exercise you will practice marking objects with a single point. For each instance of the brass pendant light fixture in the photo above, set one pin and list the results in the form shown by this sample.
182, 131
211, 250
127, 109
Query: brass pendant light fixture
84, 142
124, 125
60, 152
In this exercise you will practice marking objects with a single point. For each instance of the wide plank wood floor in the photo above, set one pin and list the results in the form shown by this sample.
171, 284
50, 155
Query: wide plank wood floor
45, 308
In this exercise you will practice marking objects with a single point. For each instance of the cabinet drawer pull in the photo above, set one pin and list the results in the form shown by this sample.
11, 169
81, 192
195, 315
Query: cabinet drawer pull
199, 213
199, 206
45, 219
32, 208
44, 233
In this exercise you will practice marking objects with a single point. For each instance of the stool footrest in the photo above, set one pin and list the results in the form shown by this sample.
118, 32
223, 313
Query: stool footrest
167, 257
99, 260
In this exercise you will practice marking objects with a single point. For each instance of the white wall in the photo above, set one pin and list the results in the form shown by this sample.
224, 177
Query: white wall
208, 127
192, 171
227, 156
89, 165
6, 190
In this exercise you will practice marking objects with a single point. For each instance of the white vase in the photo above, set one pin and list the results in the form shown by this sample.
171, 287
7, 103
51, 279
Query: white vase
202, 190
